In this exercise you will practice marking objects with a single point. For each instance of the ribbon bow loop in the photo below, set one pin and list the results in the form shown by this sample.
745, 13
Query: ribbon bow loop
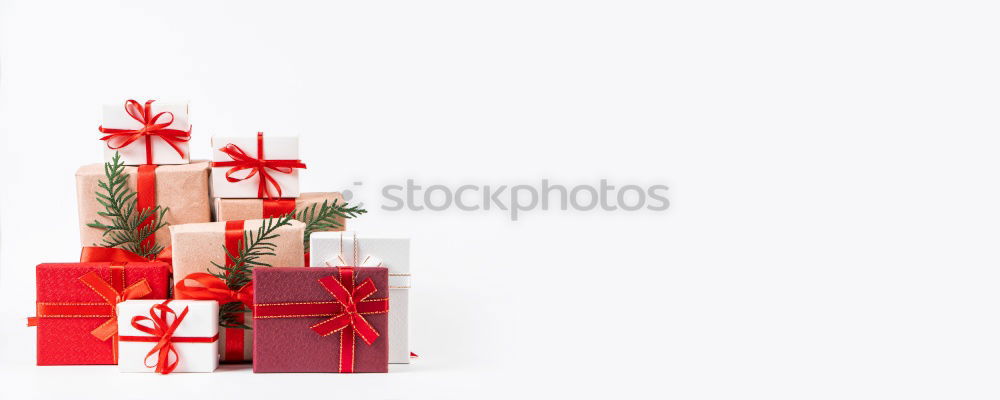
164, 330
352, 301
113, 293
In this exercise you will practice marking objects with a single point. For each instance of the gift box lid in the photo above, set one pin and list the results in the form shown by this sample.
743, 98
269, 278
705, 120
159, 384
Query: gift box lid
180, 170
390, 252
276, 147
61, 281
115, 115
202, 319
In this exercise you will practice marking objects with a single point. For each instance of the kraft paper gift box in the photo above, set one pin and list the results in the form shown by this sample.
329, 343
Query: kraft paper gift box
193, 342
182, 189
234, 209
321, 319
237, 171
76, 307
167, 130
392, 253
197, 246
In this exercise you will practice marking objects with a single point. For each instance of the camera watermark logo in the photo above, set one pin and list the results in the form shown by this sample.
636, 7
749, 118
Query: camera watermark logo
516, 200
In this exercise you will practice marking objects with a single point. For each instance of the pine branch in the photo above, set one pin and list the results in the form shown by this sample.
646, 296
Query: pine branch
326, 218
228, 313
238, 271
119, 201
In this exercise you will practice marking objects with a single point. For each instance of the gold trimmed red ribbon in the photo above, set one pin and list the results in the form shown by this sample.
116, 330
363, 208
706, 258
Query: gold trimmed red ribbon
241, 161
346, 312
151, 127
113, 292
162, 332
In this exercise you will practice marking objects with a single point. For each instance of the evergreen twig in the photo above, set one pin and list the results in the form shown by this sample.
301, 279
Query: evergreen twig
125, 230
326, 217
239, 271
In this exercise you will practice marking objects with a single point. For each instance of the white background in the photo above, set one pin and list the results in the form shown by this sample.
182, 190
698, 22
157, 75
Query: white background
832, 168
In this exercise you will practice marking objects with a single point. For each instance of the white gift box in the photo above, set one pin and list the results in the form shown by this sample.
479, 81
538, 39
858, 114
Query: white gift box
201, 322
274, 148
116, 117
393, 253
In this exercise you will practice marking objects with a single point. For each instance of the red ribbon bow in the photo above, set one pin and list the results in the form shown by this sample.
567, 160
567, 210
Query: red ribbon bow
350, 319
213, 288
165, 332
151, 126
113, 293
352, 303
259, 165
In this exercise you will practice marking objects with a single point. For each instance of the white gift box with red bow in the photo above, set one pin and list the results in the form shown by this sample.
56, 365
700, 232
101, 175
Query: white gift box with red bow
193, 343
230, 182
119, 116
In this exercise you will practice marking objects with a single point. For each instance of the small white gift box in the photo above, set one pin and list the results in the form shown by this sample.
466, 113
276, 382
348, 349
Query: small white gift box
255, 167
168, 336
339, 248
151, 132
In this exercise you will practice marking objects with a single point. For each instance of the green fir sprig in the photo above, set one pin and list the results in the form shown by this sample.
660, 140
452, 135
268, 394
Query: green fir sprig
238, 273
126, 229
325, 217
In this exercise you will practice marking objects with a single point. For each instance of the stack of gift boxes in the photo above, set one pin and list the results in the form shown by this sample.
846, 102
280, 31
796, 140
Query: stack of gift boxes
185, 263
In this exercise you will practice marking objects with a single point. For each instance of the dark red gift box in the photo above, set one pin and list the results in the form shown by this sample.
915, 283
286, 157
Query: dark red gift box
321, 319
76, 305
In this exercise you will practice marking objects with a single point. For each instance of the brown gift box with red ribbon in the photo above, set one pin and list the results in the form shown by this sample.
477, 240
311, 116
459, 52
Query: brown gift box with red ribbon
183, 189
235, 209
76, 307
321, 319
197, 246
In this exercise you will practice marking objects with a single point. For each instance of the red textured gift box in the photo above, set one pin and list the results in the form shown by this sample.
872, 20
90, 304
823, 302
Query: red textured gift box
71, 304
320, 319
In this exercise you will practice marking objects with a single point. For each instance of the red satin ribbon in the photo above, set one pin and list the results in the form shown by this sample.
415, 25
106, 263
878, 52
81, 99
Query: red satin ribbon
119, 138
234, 336
113, 293
347, 312
162, 332
259, 165
277, 207
116, 255
213, 288
146, 199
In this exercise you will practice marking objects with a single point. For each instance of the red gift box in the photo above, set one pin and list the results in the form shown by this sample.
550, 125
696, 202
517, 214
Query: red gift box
321, 319
76, 307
